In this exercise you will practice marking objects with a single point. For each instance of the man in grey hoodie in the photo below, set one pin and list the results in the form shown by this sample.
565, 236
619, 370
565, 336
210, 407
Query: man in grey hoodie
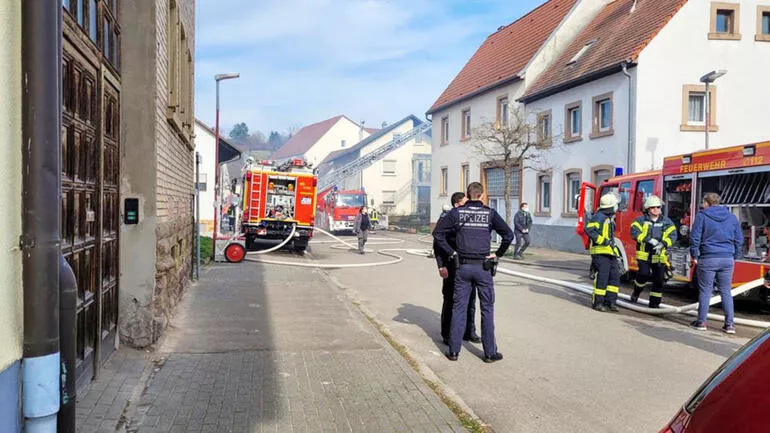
716, 242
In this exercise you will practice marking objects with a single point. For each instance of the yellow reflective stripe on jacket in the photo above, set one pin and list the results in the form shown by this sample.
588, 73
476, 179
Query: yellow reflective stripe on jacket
667, 236
642, 255
643, 229
593, 224
597, 247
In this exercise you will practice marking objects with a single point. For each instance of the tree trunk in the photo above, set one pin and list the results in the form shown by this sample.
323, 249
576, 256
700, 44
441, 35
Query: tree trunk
508, 170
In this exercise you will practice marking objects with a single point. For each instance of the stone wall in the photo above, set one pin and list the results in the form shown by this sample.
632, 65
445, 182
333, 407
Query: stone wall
175, 181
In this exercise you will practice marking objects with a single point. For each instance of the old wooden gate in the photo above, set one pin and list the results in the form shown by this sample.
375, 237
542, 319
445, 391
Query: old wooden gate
91, 173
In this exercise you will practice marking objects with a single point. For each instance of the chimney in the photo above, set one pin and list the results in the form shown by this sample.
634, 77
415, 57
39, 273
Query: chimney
384, 124
633, 6
361, 130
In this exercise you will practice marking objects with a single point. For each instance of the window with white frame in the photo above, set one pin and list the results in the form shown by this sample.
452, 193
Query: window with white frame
696, 108
445, 130
572, 186
725, 21
694, 100
388, 197
444, 180
389, 166
574, 119
466, 130
502, 110
544, 128
544, 194
602, 116
763, 24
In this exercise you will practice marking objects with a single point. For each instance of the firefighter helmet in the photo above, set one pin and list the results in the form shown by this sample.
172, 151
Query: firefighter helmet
608, 201
652, 201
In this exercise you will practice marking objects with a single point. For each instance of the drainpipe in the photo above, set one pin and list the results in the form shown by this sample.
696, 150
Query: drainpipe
68, 298
41, 193
631, 123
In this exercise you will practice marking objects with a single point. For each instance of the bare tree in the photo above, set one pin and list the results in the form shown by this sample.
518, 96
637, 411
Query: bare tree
512, 143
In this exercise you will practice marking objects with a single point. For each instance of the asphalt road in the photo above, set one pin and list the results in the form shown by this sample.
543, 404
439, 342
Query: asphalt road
566, 367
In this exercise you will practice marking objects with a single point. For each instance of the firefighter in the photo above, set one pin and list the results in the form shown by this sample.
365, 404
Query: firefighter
604, 254
653, 233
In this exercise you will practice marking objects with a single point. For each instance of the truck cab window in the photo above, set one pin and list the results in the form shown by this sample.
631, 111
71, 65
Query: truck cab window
678, 198
644, 189
625, 196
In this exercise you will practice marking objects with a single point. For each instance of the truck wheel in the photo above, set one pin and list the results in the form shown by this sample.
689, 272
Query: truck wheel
234, 253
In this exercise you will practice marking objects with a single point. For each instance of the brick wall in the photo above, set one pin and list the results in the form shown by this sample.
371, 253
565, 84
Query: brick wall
175, 175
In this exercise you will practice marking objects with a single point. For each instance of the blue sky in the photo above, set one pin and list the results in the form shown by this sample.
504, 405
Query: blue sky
302, 61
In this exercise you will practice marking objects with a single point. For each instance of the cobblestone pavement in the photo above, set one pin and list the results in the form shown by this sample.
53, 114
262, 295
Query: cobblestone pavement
258, 348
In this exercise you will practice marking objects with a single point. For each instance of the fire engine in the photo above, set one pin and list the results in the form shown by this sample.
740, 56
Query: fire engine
336, 210
275, 198
739, 174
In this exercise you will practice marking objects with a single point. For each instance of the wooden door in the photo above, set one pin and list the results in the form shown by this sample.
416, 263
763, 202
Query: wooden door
90, 204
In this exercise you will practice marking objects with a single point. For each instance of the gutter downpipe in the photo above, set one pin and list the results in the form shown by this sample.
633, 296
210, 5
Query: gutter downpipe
631, 124
41, 31
68, 298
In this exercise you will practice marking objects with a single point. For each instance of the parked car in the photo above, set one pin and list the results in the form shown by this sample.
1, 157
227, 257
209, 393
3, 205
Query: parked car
735, 398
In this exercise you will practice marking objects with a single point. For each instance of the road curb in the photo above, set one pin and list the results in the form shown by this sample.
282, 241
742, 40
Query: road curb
446, 394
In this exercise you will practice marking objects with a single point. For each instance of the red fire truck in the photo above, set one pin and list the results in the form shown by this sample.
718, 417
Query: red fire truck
740, 174
337, 209
275, 198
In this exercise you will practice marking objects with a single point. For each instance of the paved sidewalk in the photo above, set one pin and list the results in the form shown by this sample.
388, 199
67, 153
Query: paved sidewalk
258, 348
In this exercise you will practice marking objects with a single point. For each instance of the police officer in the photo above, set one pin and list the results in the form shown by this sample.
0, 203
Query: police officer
472, 224
447, 271
653, 233
604, 254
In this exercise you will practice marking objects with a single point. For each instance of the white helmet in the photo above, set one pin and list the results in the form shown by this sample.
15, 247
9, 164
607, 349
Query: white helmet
652, 201
447, 207
608, 201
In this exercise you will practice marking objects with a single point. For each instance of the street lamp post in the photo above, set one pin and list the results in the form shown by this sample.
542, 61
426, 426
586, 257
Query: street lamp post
217, 204
708, 79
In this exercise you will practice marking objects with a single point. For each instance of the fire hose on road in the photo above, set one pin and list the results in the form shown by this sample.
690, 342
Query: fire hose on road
689, 309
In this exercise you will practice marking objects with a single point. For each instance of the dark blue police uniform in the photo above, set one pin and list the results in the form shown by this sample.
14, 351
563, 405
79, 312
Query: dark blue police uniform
448, 290
472, 224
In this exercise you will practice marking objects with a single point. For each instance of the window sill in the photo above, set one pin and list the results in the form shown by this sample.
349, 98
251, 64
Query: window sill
569, 215
725, 36
443, 143
389, 174
600, 134
573, 139
443, 194
464, 139
178, 125
762, 38
698, 128
543, 214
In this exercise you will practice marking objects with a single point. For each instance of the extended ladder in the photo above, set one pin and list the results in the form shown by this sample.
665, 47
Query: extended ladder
361, 163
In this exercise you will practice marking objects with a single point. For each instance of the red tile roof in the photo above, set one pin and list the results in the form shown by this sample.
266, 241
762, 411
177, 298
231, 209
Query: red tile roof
371, 130
306, 137
619, 34
505, 53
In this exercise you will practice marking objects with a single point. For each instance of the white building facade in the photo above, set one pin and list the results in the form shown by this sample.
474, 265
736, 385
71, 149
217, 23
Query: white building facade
474, 98
398, 184
315, 142
205, 147
631, 119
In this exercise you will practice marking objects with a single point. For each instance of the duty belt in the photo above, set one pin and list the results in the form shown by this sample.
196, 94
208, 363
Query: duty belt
471, 261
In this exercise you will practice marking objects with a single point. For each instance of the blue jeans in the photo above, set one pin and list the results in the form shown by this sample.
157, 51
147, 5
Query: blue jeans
721, 270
